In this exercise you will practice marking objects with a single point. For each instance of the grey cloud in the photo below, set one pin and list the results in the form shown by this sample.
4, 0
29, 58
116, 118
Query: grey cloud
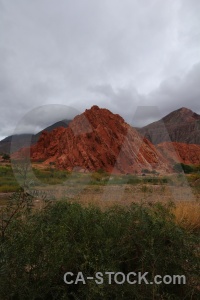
141, 109
145, 115
42, 116
116, 54
176, 92
126, 97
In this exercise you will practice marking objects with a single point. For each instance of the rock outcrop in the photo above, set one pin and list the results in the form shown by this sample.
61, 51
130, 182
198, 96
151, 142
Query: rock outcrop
182, 126
98, 139
15, 142
188, 154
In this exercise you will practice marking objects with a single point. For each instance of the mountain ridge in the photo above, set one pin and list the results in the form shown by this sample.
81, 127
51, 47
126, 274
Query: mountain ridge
98, 139
18, 141
181, 125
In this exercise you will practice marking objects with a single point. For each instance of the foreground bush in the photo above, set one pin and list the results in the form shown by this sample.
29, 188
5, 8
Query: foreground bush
38, 249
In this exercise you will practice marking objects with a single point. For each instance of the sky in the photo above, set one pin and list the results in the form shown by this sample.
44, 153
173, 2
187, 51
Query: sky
120, 55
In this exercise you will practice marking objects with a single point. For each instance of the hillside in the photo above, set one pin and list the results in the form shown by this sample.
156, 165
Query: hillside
188, 154
23, 140
98, 139
182, 126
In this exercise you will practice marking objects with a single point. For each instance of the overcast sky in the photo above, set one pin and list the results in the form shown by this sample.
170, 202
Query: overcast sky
118, 54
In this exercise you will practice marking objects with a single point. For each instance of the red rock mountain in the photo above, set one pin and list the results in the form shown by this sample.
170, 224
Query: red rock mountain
98, 139
188, 154
182, 126
15, 142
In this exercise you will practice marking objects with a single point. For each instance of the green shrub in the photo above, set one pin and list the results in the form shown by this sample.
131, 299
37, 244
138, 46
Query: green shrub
39, 249
187, 169
101, 171
99, 177
6, 156
133, 180
146, 171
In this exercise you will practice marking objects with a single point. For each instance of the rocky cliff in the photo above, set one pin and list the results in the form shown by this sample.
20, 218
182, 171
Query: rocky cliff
188, 154
98, 139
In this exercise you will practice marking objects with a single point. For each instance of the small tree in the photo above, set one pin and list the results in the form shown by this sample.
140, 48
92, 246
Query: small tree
180, 167
145, 171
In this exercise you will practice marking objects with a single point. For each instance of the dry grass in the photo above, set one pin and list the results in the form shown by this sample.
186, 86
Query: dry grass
188, 215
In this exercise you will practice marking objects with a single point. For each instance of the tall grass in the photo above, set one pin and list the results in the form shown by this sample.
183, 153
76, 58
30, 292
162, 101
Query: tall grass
8, 182
187, 215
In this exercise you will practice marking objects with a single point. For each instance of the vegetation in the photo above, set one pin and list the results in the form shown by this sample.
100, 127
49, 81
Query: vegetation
146, 171
187, 169
6, 156
52, 176
38, 247
8, 182
187, 215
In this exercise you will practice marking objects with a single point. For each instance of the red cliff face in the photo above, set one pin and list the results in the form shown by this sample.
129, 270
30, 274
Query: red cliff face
188, 154
98, 139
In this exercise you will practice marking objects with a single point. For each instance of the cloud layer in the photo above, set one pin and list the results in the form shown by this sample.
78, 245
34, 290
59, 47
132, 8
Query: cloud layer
116, 54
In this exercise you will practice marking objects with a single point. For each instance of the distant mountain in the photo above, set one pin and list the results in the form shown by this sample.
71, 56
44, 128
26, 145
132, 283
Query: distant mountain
97, 139
23, 140
182, 126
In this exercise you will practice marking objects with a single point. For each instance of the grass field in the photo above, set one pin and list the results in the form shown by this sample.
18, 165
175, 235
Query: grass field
106, 190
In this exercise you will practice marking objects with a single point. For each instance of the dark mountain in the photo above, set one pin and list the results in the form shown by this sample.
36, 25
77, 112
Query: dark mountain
24, 140
182, 125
